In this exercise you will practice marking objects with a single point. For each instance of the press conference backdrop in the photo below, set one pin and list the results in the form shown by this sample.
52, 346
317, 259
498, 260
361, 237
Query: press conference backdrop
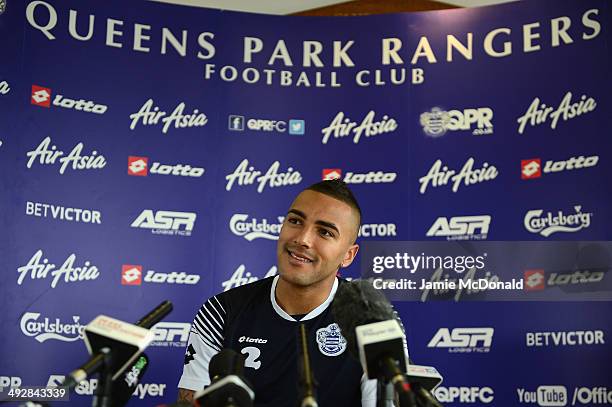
150, 152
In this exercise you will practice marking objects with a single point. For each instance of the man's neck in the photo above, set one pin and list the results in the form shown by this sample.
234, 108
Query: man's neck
295, 299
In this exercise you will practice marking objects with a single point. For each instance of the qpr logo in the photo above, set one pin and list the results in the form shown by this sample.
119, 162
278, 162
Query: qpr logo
437, 121
330, 340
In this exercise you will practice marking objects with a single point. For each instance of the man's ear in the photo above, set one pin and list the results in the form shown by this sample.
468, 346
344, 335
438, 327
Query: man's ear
350, 255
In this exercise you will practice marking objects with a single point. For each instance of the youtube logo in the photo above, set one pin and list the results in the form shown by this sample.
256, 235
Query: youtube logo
534, 280
331, 173
531, 168
41, 96
131, 274
138, 166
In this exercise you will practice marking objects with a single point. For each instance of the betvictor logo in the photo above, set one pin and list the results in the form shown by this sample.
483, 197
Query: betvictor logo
549, 223
252, 229
46, 329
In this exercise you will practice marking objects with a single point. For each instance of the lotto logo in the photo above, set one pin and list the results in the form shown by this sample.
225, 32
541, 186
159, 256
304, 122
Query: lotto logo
534, 280
41, 96
297, 127
531, 168
138, 166
131, 274
235, 123
331, 173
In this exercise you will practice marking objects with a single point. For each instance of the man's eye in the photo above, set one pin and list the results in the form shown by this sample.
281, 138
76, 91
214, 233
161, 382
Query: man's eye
294, 221
326, 233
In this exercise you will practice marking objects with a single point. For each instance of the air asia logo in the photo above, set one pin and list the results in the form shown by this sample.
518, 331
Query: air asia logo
538, 113
139, 167
5, 88
440, 175
247, 175
171, 334
42, 96
546, 225
166, 222
564, 338
131, 274
252, 229
330, 340
437, 121
532, 168
88, 387
39, 269
342, 126
150, 115
63, 213
535, 280
357, 178
43, 329
296, 126
463, 340
240, 277
470, 394
461, 227
48, 156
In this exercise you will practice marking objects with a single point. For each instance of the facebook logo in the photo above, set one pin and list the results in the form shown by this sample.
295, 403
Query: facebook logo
297, 127
236, 123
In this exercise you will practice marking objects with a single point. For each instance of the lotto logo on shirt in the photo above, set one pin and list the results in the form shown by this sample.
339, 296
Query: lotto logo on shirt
41, 96
138, 166
131, 274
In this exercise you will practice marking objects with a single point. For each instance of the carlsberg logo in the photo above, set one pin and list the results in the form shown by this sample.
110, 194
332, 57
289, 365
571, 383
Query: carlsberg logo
240, 225
46, 329
550, 223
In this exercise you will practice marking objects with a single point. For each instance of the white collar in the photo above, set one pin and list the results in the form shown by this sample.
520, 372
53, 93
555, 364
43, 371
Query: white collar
312, 314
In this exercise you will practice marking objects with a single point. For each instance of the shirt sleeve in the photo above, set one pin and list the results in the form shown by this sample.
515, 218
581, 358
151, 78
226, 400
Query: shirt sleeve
205, 340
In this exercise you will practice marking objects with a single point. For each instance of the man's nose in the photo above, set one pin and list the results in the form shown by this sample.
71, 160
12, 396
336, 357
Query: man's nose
304, 236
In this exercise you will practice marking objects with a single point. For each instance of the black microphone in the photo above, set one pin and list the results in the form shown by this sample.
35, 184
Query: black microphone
228, 387
307, 380
125, 385
370, 327
100, 346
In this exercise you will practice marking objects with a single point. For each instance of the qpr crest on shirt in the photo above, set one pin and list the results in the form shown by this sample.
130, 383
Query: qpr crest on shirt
330, 340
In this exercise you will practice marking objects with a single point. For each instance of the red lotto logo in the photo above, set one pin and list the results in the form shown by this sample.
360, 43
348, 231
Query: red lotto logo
41, 96
138, 166
331, 173
534, 280
531, 168
131, 274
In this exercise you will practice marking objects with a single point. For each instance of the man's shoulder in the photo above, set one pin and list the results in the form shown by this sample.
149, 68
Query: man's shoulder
255, 289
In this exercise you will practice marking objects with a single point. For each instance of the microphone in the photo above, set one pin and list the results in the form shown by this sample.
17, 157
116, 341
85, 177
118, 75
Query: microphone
126, 383
125, 340
373, 334
307, 381
228, 388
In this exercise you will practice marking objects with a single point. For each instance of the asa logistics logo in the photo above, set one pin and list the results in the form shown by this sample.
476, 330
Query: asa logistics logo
166, 222
463, 340
43, 97
473, 227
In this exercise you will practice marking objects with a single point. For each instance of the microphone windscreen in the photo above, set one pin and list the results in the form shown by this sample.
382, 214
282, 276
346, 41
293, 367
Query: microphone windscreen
226, 362
125, 385
358, 303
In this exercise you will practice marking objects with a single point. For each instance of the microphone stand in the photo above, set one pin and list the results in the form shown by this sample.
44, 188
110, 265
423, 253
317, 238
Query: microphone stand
104, 391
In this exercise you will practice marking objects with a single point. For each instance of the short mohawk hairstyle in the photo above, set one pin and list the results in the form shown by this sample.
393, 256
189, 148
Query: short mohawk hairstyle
337, 189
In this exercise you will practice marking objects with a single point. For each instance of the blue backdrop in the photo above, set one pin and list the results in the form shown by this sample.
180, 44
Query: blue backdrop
151, 152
